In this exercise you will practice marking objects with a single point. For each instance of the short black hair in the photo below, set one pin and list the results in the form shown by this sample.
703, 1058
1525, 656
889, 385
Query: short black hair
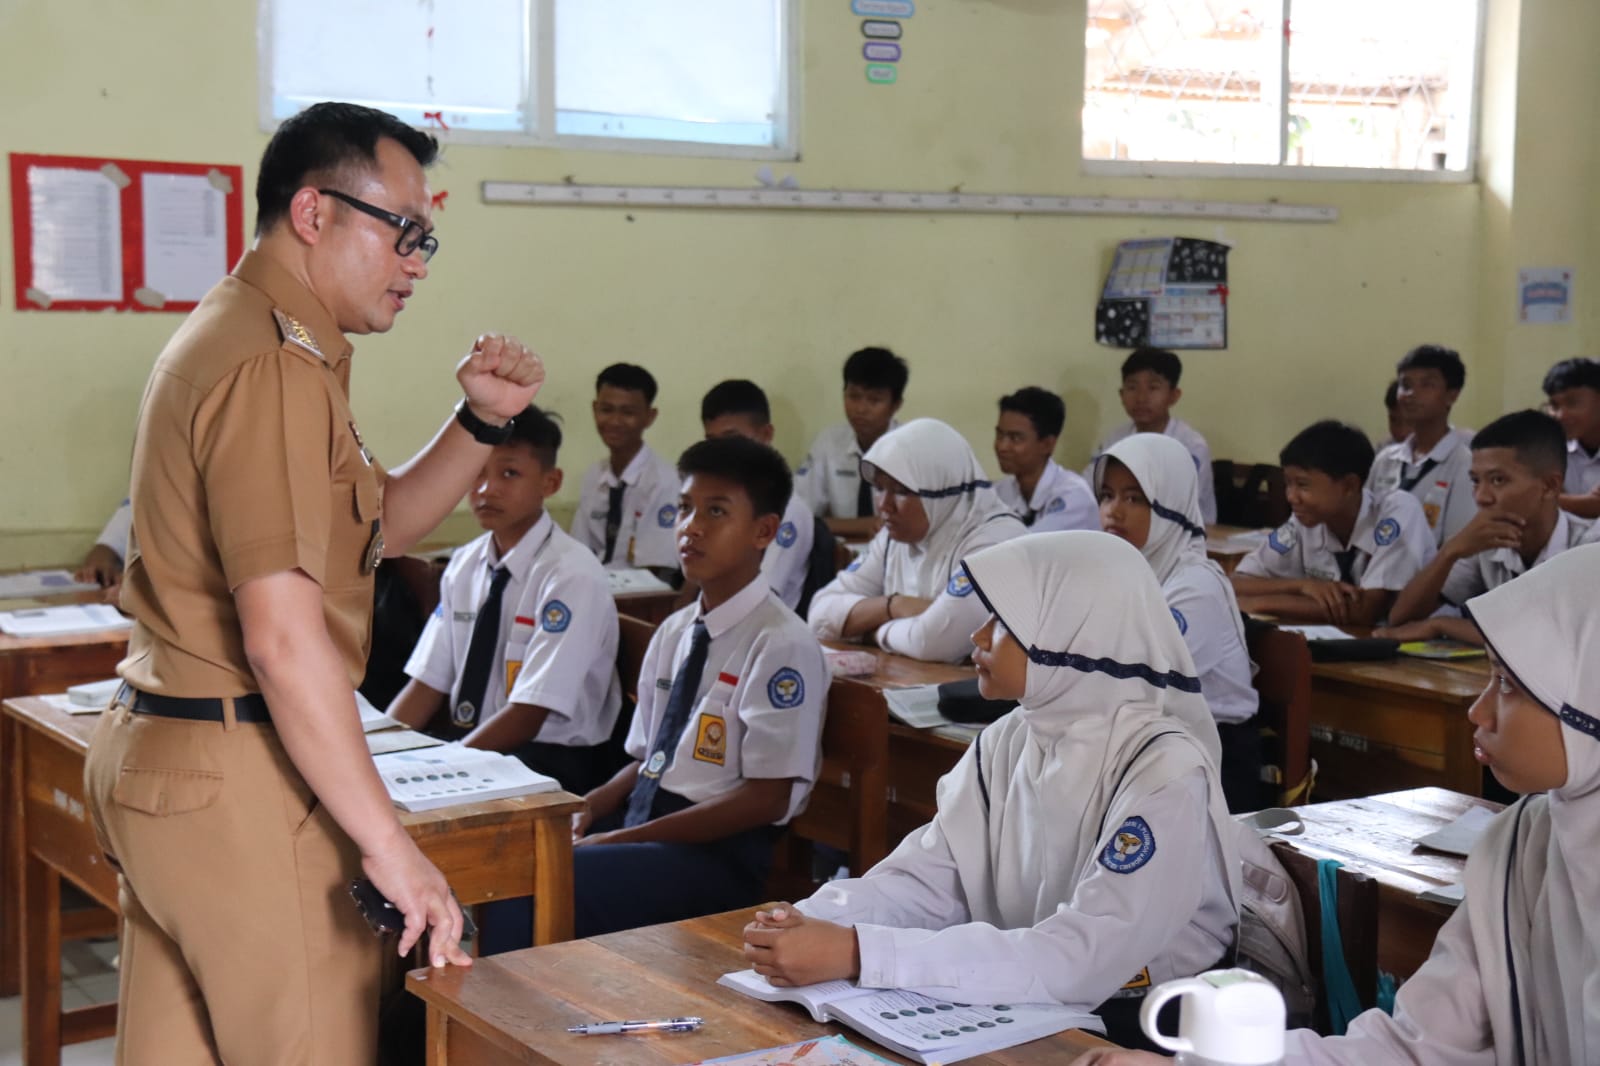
1391, 395
755, 467
1158, 361
1537, 439
324, 144
540, 431
877, 368
1579, 373
1333, 447
1446, 361
1043, 408
629, 378
736, 397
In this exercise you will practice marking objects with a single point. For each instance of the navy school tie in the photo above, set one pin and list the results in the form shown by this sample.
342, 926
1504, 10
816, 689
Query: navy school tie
480, 654
864, 499
613, 519
679, 702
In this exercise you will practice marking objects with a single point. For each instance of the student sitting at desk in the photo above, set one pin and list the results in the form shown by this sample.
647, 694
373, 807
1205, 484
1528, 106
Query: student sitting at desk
1081, 850
1043, 493
1149, 393
726, 741
1149, 498
1518, 465
1431, 463
103, 565
520, 655
627, 504
1573, 389
1512, 980
1345, 553
908, 591
829, 479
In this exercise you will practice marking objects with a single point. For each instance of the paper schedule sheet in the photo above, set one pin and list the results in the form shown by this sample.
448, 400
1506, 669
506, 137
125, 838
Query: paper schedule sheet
185, 235
76, 217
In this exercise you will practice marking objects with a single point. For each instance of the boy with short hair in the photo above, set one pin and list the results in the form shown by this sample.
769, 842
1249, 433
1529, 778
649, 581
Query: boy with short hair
726, 741
739, 408
1518, 463
1043, 493
1432, 463
1345, 552
627, 504
829, 479
1573, 387
1149, 392
520, 655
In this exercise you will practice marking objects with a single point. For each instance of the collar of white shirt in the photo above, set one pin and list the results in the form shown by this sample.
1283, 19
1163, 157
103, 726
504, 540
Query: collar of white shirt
519, 560
1365, 521
1510, 559
631, 475
1574, 451
1438, 453
736, 608
1046, 486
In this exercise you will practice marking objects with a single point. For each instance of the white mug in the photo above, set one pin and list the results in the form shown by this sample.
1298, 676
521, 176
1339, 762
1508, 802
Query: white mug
1229, 1018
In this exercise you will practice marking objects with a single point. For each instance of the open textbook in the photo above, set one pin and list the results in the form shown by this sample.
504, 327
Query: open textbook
68, 618
920, 1027
426, 779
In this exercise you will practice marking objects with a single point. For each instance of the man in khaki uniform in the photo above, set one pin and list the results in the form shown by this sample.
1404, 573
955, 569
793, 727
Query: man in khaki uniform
230, 782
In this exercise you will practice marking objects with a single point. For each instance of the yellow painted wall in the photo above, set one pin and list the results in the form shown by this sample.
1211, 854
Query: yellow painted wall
987, 100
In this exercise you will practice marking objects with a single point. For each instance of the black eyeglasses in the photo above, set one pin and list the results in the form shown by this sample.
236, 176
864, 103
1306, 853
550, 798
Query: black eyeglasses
412, 236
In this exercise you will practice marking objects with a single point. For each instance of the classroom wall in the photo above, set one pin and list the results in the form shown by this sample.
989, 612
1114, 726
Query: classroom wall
987, 100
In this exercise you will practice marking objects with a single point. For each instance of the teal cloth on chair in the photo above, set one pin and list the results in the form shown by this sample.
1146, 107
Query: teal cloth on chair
1338, 988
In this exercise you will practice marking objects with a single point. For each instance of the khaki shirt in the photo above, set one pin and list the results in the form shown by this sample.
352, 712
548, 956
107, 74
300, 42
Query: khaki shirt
247, 462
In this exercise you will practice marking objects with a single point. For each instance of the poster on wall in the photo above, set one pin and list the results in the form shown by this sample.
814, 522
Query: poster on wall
91, 233
1165, 292
1544, 295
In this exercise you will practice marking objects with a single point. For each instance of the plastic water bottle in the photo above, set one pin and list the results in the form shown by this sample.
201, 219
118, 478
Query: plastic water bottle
1229, 1018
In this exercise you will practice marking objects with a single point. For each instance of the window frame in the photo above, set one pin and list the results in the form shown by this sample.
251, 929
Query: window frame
1282, 171
539, 105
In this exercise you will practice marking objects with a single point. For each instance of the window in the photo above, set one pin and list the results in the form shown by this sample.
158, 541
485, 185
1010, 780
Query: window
1381, 86
699, 76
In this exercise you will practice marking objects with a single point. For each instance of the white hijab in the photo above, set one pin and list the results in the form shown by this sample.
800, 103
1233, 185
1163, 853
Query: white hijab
1166, 472
1539, 863
935, 462
1108, 673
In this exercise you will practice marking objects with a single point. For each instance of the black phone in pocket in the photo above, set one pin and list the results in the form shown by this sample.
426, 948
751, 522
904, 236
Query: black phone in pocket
385, 918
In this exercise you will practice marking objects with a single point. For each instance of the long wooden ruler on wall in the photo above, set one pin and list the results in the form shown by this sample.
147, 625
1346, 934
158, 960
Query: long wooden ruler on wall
778, 198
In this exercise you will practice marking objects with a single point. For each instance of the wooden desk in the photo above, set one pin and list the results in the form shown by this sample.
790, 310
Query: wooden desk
1377, 836
488, 851
515, 1008
1400, 723
30, 666
652, 607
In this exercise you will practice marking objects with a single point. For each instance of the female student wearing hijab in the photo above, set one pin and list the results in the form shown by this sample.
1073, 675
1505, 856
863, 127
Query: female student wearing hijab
1150, 497
1514, 977
908, 592
1081, 851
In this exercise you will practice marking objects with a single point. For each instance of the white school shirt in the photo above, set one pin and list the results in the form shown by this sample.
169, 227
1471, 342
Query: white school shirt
829, 479
1191, 439
787, 557
942, 633
1061, 500
1583, 470
1201, 608
1445, 491
557, 647
118, 526
1391, 539
1477, 574
759, 707
648, 534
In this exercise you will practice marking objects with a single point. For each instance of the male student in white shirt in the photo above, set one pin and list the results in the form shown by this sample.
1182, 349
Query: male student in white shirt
1431, 464
829, 479
520, 656
739, 408
627, 504
1043, 493
1573, 389
1518, 465
1150, 390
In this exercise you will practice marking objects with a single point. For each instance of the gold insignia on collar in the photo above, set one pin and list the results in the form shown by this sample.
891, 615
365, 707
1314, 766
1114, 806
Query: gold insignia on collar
296, 333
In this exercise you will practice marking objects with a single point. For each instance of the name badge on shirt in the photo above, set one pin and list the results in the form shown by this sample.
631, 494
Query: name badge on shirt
374, 555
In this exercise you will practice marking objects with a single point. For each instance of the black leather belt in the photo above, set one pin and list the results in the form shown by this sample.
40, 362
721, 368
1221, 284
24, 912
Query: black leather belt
248, 708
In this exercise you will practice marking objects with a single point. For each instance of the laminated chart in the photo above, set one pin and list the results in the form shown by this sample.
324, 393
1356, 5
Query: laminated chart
1165, 292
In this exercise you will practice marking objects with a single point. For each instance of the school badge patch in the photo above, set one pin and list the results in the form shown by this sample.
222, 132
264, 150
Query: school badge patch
1387, 533
555, 617
1132, 845
960, 584
513, 668
711, 742
855, 564
1056, 506
1281, 539
786, 535
667, 515
1177, 616
787, 688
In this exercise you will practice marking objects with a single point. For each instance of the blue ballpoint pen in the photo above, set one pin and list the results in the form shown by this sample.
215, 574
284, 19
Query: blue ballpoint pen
665, 1025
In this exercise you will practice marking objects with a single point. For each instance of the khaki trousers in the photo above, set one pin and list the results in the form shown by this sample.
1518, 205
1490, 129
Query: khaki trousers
240, 943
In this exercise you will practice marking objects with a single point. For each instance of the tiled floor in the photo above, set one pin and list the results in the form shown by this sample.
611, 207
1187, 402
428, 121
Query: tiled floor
87, 977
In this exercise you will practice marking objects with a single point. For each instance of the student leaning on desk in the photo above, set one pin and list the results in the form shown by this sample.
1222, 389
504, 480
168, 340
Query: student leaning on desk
229, 783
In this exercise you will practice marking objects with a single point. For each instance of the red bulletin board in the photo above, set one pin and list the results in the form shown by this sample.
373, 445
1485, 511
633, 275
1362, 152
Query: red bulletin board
30, 176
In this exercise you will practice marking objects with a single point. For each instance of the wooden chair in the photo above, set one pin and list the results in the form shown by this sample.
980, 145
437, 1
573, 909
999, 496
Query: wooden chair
633, 638
1250, 496
1283, 683
1358, 926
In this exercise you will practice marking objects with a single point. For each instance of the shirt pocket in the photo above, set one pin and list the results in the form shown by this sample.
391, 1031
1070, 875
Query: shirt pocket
355, 530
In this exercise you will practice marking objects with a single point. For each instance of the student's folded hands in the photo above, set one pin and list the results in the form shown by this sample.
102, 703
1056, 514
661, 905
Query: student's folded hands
787, 948
1335, 597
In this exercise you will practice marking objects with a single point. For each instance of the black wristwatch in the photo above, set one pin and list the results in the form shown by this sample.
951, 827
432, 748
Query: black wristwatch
482, 432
